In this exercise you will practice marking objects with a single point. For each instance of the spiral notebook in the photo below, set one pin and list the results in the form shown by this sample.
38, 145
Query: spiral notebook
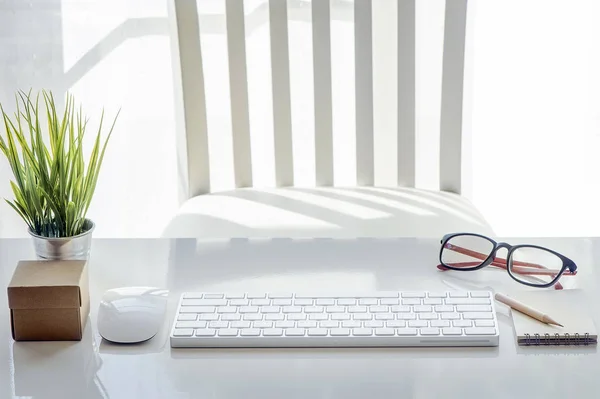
568, 307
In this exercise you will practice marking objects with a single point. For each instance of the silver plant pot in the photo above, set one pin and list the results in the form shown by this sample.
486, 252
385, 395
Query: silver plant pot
68, 248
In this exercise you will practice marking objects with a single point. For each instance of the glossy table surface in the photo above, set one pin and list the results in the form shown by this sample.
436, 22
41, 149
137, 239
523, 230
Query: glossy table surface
94, 368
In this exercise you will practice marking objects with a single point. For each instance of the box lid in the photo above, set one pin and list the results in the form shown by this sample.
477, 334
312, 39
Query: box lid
47, 284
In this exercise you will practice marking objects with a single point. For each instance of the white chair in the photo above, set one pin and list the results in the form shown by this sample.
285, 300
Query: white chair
324, 210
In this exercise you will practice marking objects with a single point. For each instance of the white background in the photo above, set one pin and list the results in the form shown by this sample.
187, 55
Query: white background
534, 120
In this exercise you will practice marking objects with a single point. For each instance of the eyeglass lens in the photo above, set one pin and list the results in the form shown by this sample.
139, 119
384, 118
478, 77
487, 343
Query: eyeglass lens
534, 265
466, 251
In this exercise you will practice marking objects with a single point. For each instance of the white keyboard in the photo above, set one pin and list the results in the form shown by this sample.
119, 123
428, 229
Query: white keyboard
461, 318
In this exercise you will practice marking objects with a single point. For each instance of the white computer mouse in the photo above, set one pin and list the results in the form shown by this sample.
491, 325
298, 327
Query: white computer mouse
131, 314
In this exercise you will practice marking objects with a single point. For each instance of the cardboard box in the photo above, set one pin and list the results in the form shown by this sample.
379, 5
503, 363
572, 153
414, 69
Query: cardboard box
49, 300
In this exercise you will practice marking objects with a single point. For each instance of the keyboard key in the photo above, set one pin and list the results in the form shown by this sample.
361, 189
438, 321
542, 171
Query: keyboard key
296, 316
418, 323
291, 309
183, 332
270, 309
478, 315
362, 332
439, 323
274, 316
295, 332
197, 309
282, 302
208, 316
228, 332
413, 295
384, 316
444, 308
450, 316
249, 309
273, 332
346, 301
234, 296
351, 324
433, 301
239, 302
384, 331
452, 331
462, 323
329, 324
256, 296
378, 309
473, 308
314, 309
262, 324
253, 316
218, 324
204, 302
395, 323
340, 316
335, 309
423, 308
325, 301
260, 302
428, 316
303, 302
429, 331
340, 332
317, 316
206, 332
227, 309
190, 324
362, 316
368, 301
400, 309
187, 317
480, 294
373, 323
458, 294
484, 323
317, 331
480, 331
389, 301
285, 324
306, 324
250, 332
406, 316
213, 296
411, 301
280, 295
240, 324
467, 301
406, 331
436, 295
193, 295
357, 309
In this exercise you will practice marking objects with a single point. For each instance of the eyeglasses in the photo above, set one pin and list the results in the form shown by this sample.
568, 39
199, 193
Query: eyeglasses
531, 265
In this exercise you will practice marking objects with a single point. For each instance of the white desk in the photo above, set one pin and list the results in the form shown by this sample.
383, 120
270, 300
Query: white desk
95, 369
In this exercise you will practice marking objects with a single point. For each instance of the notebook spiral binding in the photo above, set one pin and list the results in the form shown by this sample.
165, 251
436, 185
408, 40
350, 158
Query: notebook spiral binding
566, 339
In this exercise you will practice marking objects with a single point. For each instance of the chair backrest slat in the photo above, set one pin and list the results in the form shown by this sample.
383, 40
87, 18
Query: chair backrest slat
321, 30
406, 93
238, 83
282, 111
280, 13
189, 77
451, 122
363, 54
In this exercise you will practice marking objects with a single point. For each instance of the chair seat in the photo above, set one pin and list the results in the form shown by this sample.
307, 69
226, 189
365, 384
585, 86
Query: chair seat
326, 212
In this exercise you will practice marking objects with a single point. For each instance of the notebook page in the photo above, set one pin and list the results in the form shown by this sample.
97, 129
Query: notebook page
568, 307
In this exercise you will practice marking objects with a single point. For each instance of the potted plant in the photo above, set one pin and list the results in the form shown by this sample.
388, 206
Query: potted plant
53, 185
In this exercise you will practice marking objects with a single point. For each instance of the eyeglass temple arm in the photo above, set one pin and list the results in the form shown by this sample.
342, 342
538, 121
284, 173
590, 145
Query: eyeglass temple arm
542, 271
481, 256
443, 268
